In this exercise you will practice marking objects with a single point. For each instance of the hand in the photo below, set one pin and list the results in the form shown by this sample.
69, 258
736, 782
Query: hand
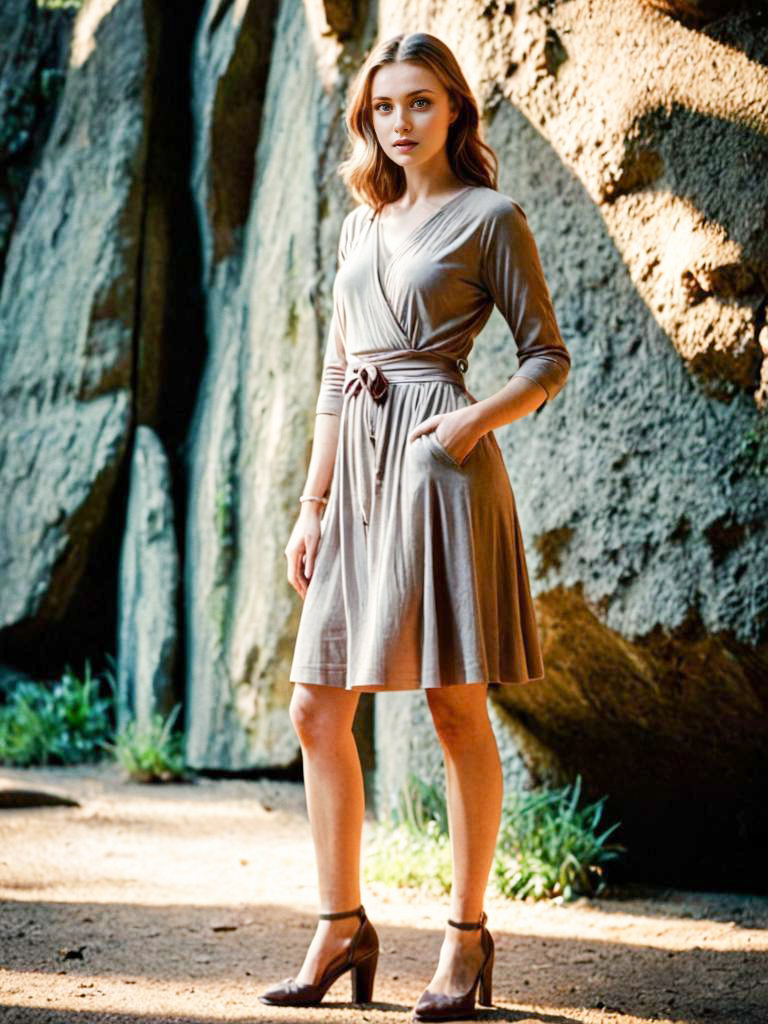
453, 429
302, 546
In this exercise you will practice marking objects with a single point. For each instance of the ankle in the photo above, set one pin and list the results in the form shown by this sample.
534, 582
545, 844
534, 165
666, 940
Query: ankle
342, 928
462, 940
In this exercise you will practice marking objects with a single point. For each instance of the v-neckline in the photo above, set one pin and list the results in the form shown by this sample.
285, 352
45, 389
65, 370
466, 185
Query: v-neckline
393, 253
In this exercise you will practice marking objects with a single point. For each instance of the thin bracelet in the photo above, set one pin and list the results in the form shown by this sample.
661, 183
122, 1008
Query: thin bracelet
312, 497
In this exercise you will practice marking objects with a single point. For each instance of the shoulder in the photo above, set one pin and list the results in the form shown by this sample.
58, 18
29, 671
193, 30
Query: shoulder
492, 207
352, 225
356, 213
500, 222
354, 220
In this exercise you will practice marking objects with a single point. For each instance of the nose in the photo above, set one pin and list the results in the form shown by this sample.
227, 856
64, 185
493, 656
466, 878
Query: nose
401, 121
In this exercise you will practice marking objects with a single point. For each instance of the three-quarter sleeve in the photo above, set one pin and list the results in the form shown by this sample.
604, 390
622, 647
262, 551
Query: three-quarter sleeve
331, 392
513, 276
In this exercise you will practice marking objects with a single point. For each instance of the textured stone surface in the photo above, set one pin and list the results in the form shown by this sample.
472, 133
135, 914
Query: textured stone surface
249, 442
95, 332
67, 310
149, 579
698, 12
33, 57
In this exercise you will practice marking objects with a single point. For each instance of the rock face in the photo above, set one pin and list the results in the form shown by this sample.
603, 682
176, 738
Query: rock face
67, 321
33, 57
268, 267
697, 12
147, 638
642, 490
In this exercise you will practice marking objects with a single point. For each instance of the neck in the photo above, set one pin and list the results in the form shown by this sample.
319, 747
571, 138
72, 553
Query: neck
429, 180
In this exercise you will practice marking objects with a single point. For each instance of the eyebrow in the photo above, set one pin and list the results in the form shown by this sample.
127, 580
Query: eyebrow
410, 94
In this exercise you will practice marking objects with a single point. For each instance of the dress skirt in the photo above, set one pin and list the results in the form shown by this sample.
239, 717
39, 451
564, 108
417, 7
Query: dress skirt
420, 577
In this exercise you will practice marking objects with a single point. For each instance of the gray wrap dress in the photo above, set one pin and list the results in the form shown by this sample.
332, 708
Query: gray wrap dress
420, 577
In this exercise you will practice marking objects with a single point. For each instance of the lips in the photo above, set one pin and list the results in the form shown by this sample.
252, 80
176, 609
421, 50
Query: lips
406, 146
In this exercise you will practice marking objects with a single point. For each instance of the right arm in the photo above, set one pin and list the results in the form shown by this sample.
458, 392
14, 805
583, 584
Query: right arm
305, 537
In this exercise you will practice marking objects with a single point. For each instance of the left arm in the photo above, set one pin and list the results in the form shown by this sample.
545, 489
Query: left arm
512, 273
461, 429
519, 396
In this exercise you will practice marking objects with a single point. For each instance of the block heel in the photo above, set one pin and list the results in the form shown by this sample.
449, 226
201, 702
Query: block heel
363, 975
485, 997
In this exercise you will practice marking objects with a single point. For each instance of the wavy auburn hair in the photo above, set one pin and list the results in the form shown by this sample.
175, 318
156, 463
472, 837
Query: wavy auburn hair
368, 172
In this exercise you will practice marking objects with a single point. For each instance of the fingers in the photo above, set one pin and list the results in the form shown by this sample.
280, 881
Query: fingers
309, 560
295, 575
424, 427
300, 553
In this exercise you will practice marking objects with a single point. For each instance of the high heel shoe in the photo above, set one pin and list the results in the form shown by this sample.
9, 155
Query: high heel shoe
360, 958
436, 1006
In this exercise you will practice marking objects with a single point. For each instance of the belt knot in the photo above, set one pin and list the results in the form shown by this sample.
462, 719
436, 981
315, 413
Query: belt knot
369, 376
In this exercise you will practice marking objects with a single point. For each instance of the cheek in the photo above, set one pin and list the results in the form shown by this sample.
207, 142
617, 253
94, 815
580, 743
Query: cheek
436, 125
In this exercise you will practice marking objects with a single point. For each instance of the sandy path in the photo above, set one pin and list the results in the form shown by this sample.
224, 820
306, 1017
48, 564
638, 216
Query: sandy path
184, 901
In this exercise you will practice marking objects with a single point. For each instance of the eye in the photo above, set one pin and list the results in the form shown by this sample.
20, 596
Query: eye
379, 106
422, 99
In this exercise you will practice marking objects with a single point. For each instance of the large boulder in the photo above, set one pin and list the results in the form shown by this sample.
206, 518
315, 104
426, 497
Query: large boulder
99, 312
67, 329
34, 47
269, 250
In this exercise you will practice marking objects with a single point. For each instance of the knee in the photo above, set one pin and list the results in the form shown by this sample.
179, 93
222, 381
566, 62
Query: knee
315, 723
305, 719
459, 728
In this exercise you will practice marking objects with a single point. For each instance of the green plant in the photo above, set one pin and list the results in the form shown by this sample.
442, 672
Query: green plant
420, 804
66, 723
549, 845
412, 849
397, 856
153, 753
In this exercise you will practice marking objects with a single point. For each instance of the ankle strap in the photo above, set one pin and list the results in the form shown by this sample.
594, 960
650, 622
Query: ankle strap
468, 926
337, 915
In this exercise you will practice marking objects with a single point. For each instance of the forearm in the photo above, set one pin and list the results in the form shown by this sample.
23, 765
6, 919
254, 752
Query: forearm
519, 397
323, 455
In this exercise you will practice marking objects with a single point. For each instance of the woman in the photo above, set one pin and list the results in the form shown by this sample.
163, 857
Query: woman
415, 576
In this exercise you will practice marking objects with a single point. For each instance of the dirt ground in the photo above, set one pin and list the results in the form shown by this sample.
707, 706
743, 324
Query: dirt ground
181, 902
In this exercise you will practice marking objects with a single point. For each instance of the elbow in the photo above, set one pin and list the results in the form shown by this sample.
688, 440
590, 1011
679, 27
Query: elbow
561, 375
550, 371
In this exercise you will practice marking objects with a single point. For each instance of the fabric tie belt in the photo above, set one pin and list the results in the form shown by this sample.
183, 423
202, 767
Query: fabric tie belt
369, 376
402, 366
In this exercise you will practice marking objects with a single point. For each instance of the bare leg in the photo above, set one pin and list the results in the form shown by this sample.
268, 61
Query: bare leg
474, 794
333, 781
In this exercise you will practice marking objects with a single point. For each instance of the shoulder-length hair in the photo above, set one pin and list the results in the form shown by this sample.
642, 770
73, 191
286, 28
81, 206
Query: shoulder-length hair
368, 172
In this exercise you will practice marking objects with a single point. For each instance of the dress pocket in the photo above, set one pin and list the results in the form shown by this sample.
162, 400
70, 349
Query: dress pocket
441, 451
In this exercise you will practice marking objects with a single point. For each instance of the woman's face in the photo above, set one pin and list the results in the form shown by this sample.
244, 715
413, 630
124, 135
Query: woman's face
408, 101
